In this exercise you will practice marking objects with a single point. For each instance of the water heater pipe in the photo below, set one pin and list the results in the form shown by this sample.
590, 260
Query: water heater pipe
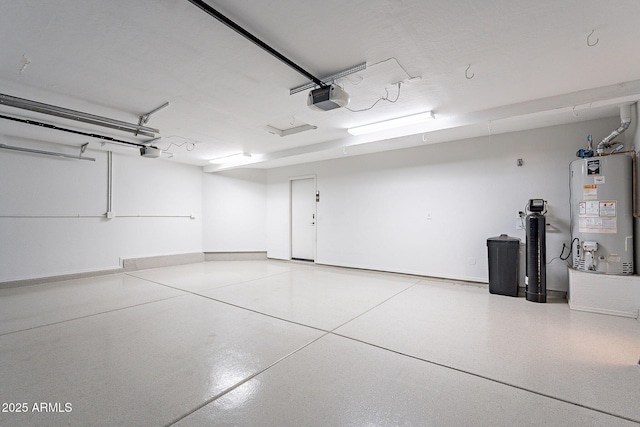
634, 186
625, 117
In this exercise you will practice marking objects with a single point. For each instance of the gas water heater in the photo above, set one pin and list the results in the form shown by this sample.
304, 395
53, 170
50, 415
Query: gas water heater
602, 213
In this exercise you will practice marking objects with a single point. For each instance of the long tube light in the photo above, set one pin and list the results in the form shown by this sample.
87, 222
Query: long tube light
290, 131
229, 159
391, 124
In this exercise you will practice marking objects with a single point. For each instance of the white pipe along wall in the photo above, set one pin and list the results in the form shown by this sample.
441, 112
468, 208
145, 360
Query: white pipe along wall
53, 215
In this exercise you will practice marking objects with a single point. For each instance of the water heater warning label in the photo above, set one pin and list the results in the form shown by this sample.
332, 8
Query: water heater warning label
597, 216
608, 209
590, 192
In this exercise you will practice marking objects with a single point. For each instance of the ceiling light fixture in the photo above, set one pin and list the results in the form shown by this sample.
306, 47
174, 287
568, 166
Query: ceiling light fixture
291, 131
391, 124
230, 159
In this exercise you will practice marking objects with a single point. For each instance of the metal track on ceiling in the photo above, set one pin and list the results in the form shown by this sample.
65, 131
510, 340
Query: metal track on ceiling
246, 34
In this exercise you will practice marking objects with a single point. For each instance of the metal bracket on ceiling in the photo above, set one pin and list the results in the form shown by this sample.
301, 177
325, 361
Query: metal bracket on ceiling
145, 117
329, 79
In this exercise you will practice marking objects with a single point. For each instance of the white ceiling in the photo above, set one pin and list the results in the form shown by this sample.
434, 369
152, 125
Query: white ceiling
529, 63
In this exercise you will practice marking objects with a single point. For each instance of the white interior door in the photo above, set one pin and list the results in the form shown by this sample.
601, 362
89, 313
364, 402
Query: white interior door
303, 219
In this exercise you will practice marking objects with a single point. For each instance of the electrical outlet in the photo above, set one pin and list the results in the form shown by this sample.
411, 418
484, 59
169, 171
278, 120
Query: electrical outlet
520, 221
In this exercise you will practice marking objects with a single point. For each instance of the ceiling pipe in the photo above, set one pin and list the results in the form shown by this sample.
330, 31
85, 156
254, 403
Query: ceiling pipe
625, 117
238, 29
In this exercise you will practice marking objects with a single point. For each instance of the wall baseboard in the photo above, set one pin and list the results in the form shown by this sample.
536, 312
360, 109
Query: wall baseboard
132, 264
145, 263
59, 278
235, 256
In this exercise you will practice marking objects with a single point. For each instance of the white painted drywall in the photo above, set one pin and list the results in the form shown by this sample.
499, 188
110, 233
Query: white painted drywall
162, 194
33, 185
372, 212
234, 206
373, 209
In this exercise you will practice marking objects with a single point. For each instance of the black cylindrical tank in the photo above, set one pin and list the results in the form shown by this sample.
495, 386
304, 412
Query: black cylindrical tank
536, 254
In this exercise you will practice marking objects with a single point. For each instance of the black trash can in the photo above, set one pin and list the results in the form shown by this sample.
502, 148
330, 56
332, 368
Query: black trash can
504, 254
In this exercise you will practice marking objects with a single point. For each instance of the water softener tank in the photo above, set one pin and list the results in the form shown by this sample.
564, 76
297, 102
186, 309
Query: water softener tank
602, 214
536, 259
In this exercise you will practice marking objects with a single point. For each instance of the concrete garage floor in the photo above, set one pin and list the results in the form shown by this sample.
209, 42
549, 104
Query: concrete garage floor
272, 343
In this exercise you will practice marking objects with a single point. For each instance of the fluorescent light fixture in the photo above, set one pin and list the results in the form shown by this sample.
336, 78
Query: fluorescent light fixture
291, 131
390, 124
230, 159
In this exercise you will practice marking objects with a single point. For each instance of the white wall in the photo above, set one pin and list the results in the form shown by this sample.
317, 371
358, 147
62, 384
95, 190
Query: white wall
373, 208
372, 212
234, 206
51, 211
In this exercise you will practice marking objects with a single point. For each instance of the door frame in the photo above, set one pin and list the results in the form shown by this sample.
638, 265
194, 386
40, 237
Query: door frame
315, 212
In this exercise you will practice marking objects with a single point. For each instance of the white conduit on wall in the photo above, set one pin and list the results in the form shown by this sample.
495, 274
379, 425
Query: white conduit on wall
109, 213
109, 182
